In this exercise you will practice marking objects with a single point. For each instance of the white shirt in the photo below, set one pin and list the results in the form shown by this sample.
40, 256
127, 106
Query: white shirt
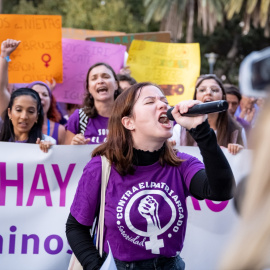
177, 130
49, 139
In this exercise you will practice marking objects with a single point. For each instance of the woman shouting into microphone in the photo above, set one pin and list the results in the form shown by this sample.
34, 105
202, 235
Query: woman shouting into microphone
229, 133
145, 204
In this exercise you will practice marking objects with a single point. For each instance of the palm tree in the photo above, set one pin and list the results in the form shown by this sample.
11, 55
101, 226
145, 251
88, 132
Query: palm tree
256, 11
175, 14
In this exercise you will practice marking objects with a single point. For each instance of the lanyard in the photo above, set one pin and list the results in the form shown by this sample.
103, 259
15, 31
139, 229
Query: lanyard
48, 127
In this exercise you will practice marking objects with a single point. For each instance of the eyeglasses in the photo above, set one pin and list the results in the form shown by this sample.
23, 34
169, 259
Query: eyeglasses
214, 89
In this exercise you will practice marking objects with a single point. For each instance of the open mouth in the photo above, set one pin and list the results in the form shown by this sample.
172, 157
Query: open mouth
23, 124
102, 89
163, 119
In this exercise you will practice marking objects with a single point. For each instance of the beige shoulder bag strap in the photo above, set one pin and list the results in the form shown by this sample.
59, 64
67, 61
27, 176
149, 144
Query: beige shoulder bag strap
106, 170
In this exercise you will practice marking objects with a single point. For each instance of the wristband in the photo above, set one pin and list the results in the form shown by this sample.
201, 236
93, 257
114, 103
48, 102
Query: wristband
6, 58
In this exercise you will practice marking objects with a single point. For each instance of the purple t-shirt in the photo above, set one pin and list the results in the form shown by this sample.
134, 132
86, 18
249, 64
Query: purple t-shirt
145, 213
245, 124
96, 129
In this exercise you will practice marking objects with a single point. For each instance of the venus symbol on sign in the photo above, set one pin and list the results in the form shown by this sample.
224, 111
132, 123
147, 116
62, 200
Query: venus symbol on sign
46, 58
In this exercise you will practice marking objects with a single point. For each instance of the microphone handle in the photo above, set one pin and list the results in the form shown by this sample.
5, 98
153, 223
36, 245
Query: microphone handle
203, 108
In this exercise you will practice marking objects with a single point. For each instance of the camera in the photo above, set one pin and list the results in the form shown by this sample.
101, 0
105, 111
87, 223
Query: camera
254, 74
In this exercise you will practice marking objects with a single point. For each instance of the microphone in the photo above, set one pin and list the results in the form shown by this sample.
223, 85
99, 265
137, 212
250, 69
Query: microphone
203, 108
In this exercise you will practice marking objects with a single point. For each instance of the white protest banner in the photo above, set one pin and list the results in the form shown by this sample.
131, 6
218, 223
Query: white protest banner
37, 189
211, 224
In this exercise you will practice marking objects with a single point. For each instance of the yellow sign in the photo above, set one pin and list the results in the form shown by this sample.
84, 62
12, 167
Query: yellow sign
173, 66
39, 56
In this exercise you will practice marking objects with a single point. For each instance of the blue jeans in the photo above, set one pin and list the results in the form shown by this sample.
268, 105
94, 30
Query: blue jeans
161, 263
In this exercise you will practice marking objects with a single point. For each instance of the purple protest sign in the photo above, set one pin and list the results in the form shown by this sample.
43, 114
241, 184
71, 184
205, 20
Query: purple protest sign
78, 56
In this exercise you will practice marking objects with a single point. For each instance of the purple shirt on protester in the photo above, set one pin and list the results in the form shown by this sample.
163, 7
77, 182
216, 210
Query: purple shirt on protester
257, 110
55, 131
145, 213
245, 124
96, 128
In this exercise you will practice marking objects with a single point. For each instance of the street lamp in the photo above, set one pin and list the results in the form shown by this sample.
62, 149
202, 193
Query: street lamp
211, 58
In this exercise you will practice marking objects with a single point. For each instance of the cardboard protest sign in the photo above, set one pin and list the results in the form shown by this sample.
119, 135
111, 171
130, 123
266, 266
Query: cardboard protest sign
175, 67
128, 38
82, 34
39, 56
78, 57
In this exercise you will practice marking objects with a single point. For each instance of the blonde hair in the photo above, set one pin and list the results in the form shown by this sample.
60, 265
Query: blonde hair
250, 248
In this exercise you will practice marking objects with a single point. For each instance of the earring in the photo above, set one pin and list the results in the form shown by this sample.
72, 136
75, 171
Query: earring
10, 118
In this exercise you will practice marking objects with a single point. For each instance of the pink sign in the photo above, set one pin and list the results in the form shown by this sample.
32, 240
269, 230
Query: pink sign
78, 57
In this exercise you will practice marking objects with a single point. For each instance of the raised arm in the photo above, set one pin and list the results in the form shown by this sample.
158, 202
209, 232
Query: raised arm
7, 47
216, 182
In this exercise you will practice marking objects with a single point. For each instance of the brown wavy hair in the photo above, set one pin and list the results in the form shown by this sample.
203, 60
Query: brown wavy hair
119, 145
88, 102
53, 113
226, 125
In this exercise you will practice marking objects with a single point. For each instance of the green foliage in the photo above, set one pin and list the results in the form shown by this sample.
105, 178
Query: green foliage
24, 7
138, 11
128, 16
7, 5
221, 43
111, 15
120, 19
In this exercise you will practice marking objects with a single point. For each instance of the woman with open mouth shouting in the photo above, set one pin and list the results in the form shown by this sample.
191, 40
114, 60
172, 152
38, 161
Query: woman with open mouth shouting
89, 124
145, 215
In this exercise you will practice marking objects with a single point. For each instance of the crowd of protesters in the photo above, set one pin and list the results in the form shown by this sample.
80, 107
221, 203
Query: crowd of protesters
103, 86
128, 122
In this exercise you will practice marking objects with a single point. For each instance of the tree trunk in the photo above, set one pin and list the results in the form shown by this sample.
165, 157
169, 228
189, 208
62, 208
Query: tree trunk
234, 49
227, 66
189, 37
